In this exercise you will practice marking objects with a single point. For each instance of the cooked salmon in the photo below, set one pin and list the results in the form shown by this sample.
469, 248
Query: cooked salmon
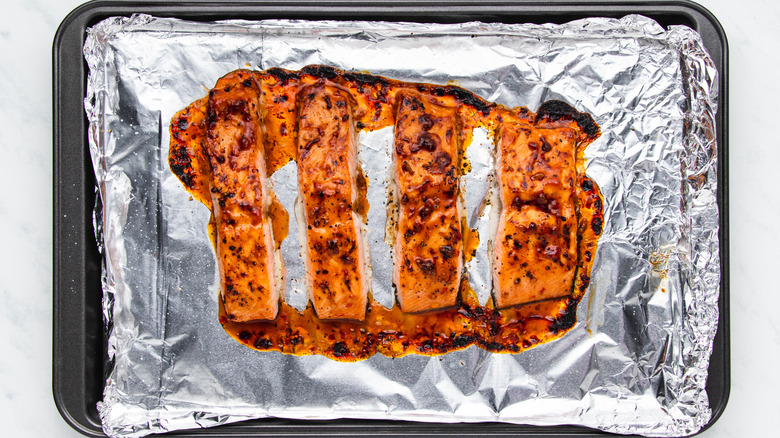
535, 247
547, 221
428, 248
241, 196
327, 180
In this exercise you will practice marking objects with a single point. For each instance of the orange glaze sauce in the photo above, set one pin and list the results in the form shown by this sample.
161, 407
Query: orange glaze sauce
395, 334
280, 221
390, 331
470, 241
362, 204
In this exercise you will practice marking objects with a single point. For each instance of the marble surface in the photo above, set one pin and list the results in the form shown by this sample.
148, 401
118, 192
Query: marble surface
26, 33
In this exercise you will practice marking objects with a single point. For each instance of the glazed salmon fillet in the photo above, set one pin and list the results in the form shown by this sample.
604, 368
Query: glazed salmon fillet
428, 248
241, 195
327, 180
535, 248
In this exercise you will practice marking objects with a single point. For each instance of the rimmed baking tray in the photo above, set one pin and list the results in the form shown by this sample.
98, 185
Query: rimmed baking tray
79, 335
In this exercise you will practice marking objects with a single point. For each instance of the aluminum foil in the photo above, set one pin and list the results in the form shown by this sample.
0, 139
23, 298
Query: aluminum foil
637, 359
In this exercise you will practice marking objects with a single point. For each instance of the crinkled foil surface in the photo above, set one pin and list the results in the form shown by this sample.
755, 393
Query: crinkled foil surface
637, 359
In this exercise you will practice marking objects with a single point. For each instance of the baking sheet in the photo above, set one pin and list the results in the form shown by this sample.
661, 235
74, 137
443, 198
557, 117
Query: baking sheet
635, 363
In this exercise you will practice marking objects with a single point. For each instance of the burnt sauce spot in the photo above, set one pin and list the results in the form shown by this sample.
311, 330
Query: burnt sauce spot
587, 185
426, 141
427, 266
365, 79
566, 319
425, 211
555, 110
283, 76
426, 123
340, 349
263, 344
181, 165
596, 225
447, 252
545, 145
466, 97
441, 163
322, 71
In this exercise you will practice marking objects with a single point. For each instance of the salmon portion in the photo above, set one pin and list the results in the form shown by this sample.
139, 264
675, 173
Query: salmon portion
428, 245
327, 180
535, 247
241, 196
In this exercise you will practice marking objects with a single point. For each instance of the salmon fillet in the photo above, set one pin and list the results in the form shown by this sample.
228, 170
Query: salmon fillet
241, 197
428, 244
327, 180
535, 248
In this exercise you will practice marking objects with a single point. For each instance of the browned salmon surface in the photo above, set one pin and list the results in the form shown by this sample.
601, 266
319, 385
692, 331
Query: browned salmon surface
535, 248
327, 176
241, 198
221, 147
428, 241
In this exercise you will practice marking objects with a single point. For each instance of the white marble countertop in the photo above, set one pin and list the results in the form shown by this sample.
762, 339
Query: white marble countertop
26, 33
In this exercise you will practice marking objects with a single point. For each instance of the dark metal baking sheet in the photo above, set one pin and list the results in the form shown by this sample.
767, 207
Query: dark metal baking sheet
79, 336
